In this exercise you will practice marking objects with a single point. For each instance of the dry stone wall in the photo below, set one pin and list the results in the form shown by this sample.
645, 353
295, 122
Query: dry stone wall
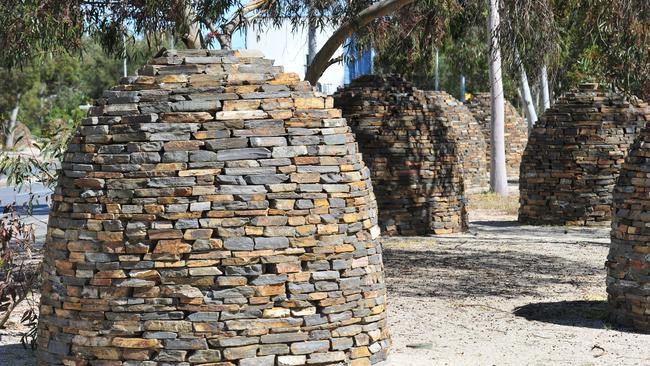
628, 267
516, 131
412, 154
213, 210
471, 143
574, 156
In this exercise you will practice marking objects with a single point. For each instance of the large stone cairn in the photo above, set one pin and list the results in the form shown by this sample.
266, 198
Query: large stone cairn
471, 143
213, 210
412, 156
628, 266
574, 157
516, 131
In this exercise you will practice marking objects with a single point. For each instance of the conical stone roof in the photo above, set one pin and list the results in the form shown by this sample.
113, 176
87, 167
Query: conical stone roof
213, 210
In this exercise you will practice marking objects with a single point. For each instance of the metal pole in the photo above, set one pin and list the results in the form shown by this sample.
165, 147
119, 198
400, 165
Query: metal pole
437, 85
462, 88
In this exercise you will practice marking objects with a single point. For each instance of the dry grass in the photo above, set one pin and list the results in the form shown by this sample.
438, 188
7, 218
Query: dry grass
495, 202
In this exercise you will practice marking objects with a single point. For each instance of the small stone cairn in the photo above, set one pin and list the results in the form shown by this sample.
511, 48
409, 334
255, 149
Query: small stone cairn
516, 131
412, 152
574, 157
628, 264
213, 210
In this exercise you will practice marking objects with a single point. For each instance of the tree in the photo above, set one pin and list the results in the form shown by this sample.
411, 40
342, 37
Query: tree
546, 98
323, 58
498, 175
526, 96
14, 87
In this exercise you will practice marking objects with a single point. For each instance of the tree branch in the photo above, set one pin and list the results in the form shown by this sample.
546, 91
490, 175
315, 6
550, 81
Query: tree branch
335, 60
236, 21
321, 61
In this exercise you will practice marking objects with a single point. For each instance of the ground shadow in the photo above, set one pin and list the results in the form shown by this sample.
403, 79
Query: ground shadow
507, 223
466, 272
579, 313
586, 314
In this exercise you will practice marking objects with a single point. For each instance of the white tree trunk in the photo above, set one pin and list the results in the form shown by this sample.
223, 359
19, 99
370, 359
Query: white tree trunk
125, 70
192, 38
437, 80
498, 175
311, 39
11, 125
546, 99
529, 105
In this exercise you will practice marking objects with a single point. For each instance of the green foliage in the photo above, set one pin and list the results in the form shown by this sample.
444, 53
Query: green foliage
53, 87
39, 164
459, 34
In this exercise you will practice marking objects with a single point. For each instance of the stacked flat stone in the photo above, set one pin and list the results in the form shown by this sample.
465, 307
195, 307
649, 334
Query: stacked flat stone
516, 131
574, 157
412, 156
213, 210
470, 140
628, 264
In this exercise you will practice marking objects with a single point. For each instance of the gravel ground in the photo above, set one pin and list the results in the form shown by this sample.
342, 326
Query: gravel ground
503, 294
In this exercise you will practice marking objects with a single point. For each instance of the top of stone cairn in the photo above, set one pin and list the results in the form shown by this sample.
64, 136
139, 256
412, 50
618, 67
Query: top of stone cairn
200, 70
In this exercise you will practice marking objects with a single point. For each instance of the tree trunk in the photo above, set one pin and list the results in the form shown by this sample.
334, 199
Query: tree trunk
11, 125
311, 38
192, 38
236, 21
125, 70
437, 79
322, 59
462, 88
529, 106
498, 175
546, 100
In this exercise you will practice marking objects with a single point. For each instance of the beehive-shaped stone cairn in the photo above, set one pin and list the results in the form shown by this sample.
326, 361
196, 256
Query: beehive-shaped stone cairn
411, 153
213, 210
628, 266
574, 156
516, 131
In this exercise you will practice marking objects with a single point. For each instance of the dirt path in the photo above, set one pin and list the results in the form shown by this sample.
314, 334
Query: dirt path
502, 294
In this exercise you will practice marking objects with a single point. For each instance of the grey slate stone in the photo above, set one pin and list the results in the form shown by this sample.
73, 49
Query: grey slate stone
278, 242
238, 243
243, 154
